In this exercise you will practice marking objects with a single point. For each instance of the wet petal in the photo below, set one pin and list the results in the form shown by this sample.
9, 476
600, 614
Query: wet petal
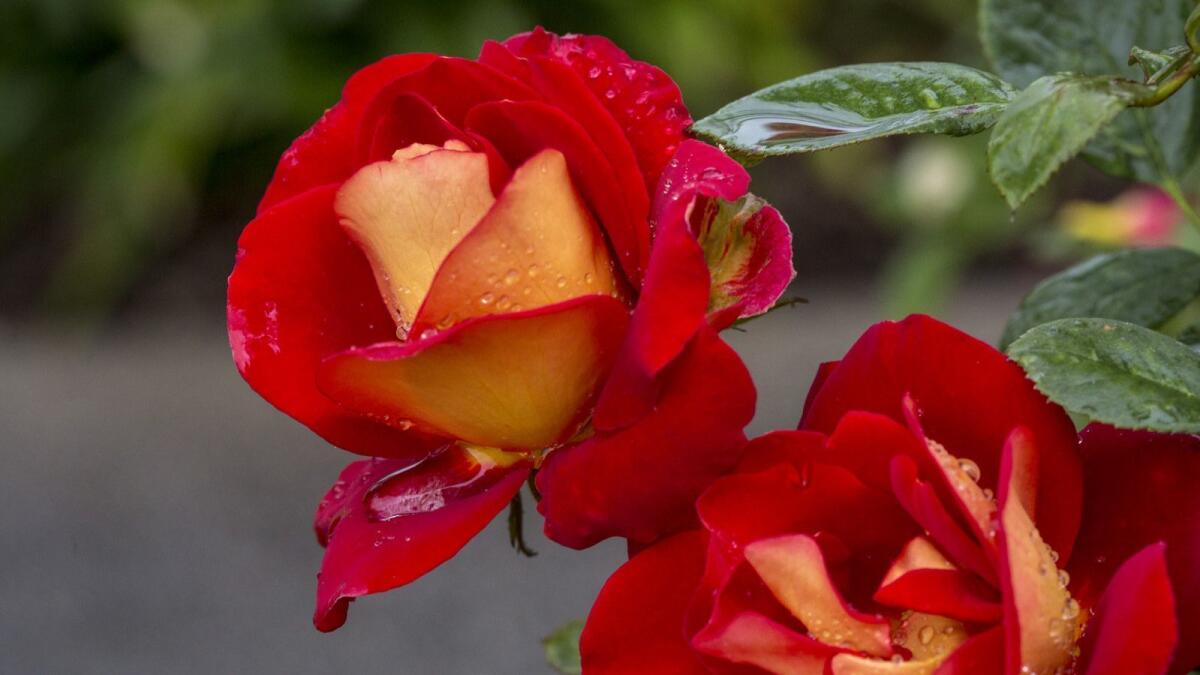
536, 247
637, 622
983, 654
642, 482
511, 381
385, 523
674, 295
922, 579
922, 503
641, 97
793, 567
1042, 621
756, 640
407, 214
970, 397
523, 129
300, 291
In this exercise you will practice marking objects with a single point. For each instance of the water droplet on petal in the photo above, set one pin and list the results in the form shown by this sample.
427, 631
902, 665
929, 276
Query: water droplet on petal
487, 299
511, 277
925, 635
970, 468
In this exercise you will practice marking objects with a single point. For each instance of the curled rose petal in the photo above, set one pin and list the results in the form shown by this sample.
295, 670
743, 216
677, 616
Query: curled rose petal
506, 380
385, 523
674, 296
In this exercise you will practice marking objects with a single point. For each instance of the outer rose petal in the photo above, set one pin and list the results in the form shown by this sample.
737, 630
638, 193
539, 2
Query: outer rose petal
324, 153
748, 248
969, 397
641, 482
1141, 488
675, 294
386, 522
641, 97
637, 623
506, 380
1134, 628
301, 290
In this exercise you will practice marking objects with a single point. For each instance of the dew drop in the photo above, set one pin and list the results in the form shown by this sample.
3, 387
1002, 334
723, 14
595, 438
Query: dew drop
588, 278
1064, 578
503, 303
561, 282
1070, 610
970, 468
533, 269
428, 333
511, 277
487, 299
925, 635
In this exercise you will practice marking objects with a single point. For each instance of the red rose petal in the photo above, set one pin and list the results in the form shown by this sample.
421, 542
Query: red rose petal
637, 623
970, 397
1141, 488
675, 294
641, 97
1134, 629
387, 522
520, 130
641, 482
301, 290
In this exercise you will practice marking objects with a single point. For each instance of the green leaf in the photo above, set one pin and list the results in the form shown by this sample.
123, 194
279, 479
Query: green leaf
1026, 39
1141, 286
562, 648
840, 106
1114, 372
1046, 125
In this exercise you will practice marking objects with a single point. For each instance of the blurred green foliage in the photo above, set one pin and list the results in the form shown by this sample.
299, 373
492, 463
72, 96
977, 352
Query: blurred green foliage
134, 132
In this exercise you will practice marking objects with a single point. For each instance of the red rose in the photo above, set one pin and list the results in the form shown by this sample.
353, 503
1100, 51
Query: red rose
934, 514
465, 264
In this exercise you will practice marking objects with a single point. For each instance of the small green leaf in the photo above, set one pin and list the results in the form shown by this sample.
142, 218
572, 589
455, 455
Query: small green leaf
1046, 125
1141, 286
1026, 39
562, 648
856, 103
1114, 372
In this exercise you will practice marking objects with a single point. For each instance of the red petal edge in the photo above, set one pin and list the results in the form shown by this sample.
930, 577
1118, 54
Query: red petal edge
385, 523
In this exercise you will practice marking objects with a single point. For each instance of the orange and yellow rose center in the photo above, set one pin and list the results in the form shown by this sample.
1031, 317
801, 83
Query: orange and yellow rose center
903, 640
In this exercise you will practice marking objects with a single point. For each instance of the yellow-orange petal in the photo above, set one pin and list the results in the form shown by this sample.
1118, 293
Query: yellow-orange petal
918, 554
537, 246
517, 381
1042, 615
754, 639
794, 569
930, 639
408, 213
